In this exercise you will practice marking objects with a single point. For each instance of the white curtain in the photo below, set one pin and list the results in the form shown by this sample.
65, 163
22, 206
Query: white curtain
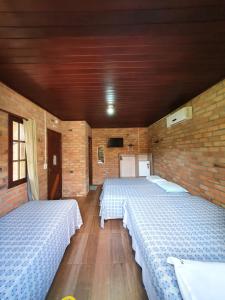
30, 133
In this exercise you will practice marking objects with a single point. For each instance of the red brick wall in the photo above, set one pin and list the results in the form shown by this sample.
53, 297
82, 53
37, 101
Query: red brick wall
136, 136
188, 153
75, 158
17, 104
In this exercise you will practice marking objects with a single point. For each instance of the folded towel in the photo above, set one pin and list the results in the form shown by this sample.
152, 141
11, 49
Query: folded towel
199, 280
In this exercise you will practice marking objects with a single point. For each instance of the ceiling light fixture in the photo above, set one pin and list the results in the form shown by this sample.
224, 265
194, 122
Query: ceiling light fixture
110, 95
110, 110
110, 99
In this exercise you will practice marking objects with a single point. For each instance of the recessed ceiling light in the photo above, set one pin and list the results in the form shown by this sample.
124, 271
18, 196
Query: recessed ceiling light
110, 110
110, 99
110, 95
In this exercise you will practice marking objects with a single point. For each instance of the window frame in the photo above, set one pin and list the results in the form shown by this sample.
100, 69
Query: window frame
13, 118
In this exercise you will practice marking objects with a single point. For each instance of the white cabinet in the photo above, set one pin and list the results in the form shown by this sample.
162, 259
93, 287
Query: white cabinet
127, 166
132, 165
144, 168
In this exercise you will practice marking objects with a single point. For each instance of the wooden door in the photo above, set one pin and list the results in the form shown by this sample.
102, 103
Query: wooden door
90, 159
54, 165
127, 166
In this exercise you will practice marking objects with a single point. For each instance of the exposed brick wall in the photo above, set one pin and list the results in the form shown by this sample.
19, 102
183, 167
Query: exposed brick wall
137, 136
187, 152
75, 158
17, 104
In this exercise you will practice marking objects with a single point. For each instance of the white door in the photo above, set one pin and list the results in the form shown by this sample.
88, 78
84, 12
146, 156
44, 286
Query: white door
144, 168
127, 166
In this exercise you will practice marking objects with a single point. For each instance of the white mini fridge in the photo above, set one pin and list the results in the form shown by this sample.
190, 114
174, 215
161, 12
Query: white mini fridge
144, 168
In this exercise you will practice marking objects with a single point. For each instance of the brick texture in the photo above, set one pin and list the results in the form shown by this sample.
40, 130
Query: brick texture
137, 136
17, 104
192, 153
75, 158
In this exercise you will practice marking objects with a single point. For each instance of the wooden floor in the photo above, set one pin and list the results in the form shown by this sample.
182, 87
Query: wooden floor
98, 264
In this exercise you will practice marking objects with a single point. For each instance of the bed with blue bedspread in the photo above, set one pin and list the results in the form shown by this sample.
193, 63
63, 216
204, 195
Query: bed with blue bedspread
33, 239
132, 181
183, 227
113, 197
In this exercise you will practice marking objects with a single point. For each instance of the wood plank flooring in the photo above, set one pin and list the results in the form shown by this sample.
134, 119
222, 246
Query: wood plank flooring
98, 264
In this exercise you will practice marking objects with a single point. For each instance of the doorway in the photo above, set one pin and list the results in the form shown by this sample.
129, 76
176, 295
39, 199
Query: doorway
127, 166
54, 164
90, 160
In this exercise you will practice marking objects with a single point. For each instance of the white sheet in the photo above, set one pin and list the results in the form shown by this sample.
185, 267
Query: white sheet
154, 178
199, 280
171, 187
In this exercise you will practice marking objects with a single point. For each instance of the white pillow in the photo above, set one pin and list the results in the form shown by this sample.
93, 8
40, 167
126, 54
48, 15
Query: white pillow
198, 279
154, 178
171, 187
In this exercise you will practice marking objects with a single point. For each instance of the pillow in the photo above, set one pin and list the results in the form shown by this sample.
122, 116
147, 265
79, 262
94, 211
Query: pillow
171, 187
199, 279
154, 178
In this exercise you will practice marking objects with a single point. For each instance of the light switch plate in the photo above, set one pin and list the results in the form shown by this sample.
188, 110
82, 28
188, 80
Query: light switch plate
45, 166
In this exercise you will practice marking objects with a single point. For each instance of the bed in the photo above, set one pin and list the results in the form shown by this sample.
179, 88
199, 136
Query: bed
183, 227
113, 198
33, 239
140, 181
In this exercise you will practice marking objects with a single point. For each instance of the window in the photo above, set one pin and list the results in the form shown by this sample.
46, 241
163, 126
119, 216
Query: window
17, 155
101, 155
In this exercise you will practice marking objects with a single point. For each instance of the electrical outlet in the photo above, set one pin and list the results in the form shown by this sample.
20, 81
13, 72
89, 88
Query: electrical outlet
45, 166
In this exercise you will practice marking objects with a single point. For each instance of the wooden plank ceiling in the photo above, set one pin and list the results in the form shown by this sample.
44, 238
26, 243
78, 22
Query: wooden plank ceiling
148, 57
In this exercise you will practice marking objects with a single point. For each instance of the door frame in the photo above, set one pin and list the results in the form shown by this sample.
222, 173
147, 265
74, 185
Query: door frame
60, 161
90, 168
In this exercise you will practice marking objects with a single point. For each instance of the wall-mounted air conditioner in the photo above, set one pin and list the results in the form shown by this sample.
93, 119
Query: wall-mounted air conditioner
181, 115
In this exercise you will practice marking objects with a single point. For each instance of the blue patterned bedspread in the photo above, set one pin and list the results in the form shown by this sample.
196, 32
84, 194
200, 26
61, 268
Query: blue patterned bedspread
113, 197
186, 228
125, 181
33, 239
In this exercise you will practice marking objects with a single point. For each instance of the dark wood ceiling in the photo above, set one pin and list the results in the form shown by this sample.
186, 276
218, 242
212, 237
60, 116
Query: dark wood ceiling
149, 56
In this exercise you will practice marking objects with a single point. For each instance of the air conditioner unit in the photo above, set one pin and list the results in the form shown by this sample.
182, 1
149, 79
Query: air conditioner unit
179, 116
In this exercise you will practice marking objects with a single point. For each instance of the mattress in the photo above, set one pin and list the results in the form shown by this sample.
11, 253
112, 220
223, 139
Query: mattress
33, 239
125, 181
113, 198
183, 227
